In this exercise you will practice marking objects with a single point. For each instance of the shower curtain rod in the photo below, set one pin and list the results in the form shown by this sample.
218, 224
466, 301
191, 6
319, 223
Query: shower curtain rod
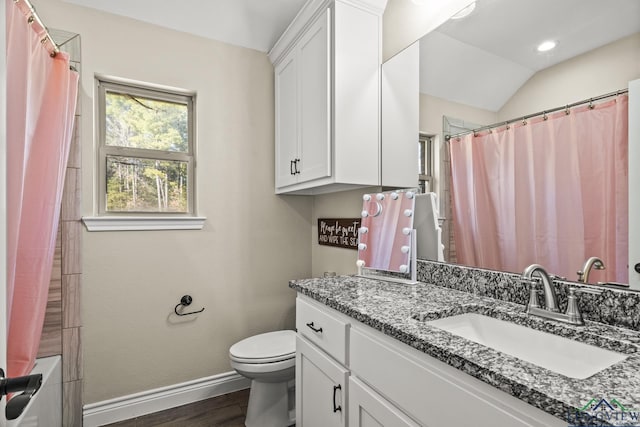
33, 17
541, 113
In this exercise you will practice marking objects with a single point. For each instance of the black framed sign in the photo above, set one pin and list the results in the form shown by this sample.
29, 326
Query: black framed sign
338, 232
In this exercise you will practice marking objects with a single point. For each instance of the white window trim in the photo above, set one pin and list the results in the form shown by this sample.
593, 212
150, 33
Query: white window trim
428, 165
140, 223
135, 222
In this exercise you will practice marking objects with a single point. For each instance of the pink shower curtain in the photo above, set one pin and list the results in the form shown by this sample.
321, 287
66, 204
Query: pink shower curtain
552, 192
41, 100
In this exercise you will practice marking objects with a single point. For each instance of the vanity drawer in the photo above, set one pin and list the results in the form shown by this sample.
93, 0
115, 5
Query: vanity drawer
322, 327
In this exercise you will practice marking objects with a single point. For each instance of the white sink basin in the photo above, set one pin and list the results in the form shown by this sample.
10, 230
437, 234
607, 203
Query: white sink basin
561, 355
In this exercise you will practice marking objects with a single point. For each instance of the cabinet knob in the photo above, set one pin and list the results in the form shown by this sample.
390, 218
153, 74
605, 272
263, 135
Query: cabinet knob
637, 267
291, 171
296, 164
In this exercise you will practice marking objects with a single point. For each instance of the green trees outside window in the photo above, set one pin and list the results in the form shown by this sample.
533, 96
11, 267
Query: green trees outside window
146, 150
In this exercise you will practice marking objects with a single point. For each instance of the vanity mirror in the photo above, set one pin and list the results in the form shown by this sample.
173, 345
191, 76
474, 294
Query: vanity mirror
385, 232
484, 68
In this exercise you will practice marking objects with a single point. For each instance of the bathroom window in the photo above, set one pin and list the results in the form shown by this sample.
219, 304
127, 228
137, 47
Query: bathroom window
425, 163
146, 149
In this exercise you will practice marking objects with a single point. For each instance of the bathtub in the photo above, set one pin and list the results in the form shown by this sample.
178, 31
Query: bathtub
45, 409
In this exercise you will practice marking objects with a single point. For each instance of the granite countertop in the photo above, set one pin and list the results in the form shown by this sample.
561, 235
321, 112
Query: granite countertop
400, 311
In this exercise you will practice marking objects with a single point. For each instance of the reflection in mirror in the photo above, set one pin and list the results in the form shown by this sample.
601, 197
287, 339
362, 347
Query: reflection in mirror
549, 189
385, 232
484, 69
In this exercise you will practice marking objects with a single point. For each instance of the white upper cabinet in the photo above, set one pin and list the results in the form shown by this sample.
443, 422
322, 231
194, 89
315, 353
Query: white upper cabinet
302, 108
400, 118
327, 91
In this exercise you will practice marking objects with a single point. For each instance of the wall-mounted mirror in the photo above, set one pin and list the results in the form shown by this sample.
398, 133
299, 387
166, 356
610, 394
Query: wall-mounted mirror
484, 68
385, 232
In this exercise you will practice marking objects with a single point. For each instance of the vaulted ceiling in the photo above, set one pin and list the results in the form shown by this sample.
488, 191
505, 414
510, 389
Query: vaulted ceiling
480, 60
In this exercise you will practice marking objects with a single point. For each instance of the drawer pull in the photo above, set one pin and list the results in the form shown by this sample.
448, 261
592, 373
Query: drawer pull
335, 389
313, 328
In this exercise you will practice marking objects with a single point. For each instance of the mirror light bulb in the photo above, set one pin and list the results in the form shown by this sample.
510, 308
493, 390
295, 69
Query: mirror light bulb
366, 197
364, 230
404, 249
380, 196
360, 263
408, 212
406, 231
362, 247
409, 194
365, 214
404, 268
394, 196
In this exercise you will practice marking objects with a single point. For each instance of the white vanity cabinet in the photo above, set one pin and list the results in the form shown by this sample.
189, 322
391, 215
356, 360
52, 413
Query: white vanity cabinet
368, 409
327, 97
378, 381
432, 392
321, 375
321, 388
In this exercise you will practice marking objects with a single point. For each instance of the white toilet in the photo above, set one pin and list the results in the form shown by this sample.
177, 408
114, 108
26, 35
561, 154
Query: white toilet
269, 361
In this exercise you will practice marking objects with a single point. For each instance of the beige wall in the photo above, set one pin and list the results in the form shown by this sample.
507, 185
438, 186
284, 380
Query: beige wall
346, 204
253, 242
432, 109
603, 70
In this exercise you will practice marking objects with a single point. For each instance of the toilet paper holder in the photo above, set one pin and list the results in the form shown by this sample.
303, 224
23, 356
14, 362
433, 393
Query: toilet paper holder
185, 301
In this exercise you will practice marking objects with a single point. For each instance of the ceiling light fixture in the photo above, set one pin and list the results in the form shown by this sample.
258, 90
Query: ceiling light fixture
546, 46
465, 12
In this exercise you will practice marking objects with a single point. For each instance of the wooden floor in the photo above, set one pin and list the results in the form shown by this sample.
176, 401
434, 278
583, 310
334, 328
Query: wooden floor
228, 410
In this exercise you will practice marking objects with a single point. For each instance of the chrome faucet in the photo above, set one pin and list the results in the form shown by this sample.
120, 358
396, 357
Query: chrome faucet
551, 311
593, 262
550, 298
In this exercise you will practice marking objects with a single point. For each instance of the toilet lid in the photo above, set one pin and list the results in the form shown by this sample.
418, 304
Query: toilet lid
265, 348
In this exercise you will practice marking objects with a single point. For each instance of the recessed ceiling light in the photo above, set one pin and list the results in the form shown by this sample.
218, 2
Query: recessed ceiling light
465, 12
546, 46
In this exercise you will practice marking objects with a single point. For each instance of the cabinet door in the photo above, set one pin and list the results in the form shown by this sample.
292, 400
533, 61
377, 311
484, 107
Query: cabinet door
321, 388
368, 409
286, 94
315, 88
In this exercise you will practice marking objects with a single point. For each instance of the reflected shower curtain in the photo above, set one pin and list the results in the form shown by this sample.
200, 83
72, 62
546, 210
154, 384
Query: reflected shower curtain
552, 192
41, 98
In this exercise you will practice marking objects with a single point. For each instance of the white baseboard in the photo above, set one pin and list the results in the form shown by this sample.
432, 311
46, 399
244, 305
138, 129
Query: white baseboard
159, 399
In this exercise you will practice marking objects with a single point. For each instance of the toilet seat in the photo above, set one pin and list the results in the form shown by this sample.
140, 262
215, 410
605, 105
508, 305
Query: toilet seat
269, 347
269, 361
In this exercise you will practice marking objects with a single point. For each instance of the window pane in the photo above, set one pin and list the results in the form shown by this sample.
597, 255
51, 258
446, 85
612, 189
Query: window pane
138, 122
146, 185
